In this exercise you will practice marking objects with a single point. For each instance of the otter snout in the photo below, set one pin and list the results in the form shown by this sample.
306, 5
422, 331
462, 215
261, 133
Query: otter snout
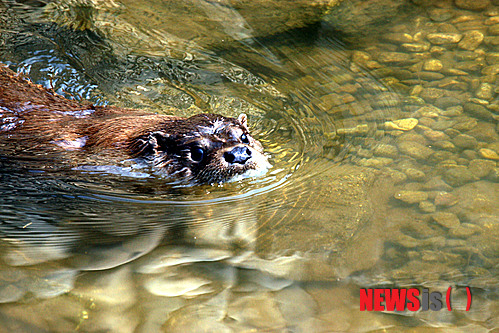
239, 154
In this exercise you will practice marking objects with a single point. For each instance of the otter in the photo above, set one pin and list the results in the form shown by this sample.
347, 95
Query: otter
205, 148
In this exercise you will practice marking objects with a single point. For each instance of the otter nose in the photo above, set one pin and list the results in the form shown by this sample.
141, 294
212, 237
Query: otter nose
238, 154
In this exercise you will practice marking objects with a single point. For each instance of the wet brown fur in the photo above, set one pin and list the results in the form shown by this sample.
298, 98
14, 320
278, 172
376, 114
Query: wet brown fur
45, 115
40, 117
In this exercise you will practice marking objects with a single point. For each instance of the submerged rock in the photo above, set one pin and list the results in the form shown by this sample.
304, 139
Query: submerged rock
465, 141
472, 4
427, 206
415, 149
411, 197
433, 65
471, 40
448, 220
464, 230
489, 153
478, 111
414, 174
386, 150
361, 18
481, 168
393, 57
459, 175
445, 199
210, 23
401, 124
440, 38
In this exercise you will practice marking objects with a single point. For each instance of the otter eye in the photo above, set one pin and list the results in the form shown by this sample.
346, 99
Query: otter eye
244, 138
197, 154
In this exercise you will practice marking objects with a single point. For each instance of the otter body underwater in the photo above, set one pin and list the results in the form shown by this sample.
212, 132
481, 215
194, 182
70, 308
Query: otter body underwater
205, 148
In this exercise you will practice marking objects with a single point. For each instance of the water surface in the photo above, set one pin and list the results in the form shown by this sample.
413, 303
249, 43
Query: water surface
384, 174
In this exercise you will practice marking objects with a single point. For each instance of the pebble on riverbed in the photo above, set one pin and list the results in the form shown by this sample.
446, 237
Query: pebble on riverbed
414, 174
478, 111
411, 197
465, 141
433, 65
386, 150
471, 40
465, 230
445, 199
445, 219
440, 38
459, 175
415, 150
472, 4
485, 91
481, 168
427, 207
489, 154
435, 135
394, 57
401, 124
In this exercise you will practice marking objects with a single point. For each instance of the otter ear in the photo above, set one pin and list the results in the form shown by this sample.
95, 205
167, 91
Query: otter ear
151, 143
160, 141
243, 119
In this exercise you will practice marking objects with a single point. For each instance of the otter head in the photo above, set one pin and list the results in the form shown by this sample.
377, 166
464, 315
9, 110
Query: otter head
205, 148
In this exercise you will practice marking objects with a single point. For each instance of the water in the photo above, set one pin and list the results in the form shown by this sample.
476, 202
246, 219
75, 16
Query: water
383, 173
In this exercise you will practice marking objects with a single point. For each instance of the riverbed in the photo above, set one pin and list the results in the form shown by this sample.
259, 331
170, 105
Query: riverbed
384, 148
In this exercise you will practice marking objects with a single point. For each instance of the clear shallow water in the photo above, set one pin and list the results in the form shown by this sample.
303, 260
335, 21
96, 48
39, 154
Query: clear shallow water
289, 251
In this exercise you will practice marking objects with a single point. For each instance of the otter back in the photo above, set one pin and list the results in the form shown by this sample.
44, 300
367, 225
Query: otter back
202, 148
30, 112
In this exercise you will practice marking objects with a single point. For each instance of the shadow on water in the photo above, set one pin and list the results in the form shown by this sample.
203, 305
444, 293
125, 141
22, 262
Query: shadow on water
112, 247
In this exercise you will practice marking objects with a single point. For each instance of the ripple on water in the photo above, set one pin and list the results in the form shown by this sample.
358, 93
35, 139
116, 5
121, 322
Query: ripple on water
305, 131
311, 217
